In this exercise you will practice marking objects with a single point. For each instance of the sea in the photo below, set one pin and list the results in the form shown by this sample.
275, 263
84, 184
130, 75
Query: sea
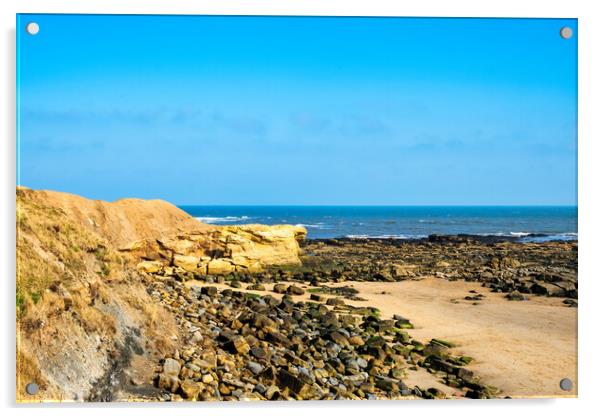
521, 223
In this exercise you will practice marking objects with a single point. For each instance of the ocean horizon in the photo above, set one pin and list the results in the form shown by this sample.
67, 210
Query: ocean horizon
525, 223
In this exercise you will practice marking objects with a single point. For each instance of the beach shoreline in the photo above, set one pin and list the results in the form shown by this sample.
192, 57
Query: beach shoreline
522, 340
158, 306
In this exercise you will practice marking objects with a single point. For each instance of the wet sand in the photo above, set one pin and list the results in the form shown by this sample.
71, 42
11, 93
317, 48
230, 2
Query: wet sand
524, 348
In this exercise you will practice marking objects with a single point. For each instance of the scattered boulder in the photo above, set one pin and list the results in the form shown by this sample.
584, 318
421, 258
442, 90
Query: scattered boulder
295, 290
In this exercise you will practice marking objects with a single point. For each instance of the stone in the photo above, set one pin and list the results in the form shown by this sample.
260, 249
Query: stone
259, 353
293, 383
272, 392
239, 344
167, 382
356, 340
466, 375
209, 290
335, 302
434, 393
516, 295
295, 290
254, 367
387, 384
261, 321
280, 288
219, 266
150, 266
443, 343
547, 289
278, 338
171, 367
207, 379
224, 390
190, 389
329, 319
339, 338
188, 263
256, 286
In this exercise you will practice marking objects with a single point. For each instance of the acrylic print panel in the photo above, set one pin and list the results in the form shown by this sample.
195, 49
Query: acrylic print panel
309, 208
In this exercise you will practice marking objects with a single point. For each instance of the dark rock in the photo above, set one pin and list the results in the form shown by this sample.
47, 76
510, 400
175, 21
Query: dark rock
295, 290
292, 382
516, 295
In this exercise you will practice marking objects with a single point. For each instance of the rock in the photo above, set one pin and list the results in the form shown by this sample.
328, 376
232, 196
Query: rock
293, 383
256, 286
254, 367
278, 338
295, 290
171, 367
209, 290
383, 275
356, 340
261, 321
267, 245
335, 302
272, 393
442, 343
280, 288
329, 319
150, 266
259, 353
339, 338
317, 297
219, 266
189, 263
239, 344
403, 270
547, 289
434, 349
516, 295
466, 375
434, 393
509, 262
207, 379
190, 389
387, 384
169, 383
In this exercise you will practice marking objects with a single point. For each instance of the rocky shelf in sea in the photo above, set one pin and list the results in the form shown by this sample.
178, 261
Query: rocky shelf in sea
238, 345
501, 264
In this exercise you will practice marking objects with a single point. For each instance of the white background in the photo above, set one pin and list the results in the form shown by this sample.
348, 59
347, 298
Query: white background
590, 203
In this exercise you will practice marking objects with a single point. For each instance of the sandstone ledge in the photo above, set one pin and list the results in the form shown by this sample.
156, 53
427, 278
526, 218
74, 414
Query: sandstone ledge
236, 248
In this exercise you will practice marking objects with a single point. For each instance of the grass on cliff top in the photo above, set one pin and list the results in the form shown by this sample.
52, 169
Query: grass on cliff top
52, 248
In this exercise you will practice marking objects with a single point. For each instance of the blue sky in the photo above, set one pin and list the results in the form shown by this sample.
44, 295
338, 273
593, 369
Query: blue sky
318, 111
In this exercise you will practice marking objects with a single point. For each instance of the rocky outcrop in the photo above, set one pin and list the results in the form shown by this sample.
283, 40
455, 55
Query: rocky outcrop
222, 250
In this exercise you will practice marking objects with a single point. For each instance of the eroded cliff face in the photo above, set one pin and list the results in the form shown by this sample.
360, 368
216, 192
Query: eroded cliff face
222, 250
87, 329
